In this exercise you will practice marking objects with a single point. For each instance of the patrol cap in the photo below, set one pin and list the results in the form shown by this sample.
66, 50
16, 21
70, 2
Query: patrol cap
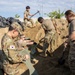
17, 26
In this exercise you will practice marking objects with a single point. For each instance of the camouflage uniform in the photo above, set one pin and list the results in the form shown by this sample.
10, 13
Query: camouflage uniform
71, 57
27, 62
13, 56
49, 34
28, 20
10, 56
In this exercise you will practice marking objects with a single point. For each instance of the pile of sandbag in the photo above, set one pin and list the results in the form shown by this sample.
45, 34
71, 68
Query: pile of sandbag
6, 22
3, 22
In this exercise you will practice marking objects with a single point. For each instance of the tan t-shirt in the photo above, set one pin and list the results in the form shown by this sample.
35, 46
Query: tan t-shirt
27, 14
72, 27
48, 25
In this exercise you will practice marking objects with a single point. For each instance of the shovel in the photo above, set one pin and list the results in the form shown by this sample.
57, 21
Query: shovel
61, 60
35, 14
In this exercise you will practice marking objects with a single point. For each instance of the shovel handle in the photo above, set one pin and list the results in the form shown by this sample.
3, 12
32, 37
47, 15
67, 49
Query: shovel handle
34, 14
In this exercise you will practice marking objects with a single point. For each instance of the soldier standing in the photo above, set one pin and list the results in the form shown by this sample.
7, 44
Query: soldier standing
70, 16
49, 33
12, 54
26, 17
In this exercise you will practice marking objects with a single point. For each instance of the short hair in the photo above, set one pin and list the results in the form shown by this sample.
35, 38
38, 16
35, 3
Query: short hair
27, 7
11, 28
39, 19
69, 12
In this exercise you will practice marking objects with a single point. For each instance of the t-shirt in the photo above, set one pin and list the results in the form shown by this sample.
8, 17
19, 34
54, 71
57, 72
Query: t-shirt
72, 27
48, 25
26, 13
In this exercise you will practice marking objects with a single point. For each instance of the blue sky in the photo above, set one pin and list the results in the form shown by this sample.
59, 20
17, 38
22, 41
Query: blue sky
8, 8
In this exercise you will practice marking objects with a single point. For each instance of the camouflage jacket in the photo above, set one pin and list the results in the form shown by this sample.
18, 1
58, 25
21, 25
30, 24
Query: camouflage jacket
11, 50
12, 55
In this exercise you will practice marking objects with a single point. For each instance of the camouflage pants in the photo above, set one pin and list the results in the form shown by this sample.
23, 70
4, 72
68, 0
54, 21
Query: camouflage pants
29, 23
28, 63
71, 57
47, 44
12, 69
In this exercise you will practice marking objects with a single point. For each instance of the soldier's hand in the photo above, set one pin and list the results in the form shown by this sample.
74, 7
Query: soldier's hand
23, 37
58, 32
65, 44
28, 19
29, 42
42, 40
26, 57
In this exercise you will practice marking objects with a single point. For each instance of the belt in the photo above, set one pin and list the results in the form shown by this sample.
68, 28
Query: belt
48, 30
73, 41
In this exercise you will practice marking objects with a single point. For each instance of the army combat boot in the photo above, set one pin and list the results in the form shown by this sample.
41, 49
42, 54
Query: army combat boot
34, 61
43, 54
49, 53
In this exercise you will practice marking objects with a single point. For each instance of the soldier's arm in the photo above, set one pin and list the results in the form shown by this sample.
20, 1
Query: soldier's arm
72, 36
25, 15
30, 14
25, 42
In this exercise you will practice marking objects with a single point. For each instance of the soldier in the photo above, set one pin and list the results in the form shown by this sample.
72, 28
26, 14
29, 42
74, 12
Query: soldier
49, 33
31, 45
70, 16
28, 21
12, 54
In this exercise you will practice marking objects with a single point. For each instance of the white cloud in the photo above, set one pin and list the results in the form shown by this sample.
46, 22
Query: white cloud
10, 5
5, 2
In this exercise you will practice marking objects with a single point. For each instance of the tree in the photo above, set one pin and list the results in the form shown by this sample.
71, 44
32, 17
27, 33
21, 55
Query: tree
17, 16
55, 14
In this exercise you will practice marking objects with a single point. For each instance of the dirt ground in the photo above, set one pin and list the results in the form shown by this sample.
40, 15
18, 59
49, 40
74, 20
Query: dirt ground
50, 66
